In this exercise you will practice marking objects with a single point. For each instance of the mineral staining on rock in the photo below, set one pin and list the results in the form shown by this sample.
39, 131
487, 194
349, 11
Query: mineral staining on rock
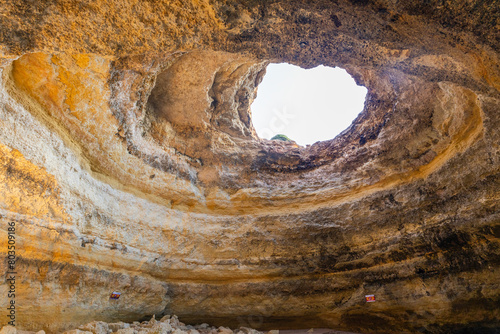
129, 163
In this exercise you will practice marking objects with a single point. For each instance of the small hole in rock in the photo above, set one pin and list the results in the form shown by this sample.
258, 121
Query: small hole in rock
306, 105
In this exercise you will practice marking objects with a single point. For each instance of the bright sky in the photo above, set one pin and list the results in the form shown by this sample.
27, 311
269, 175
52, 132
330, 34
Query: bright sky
306, 105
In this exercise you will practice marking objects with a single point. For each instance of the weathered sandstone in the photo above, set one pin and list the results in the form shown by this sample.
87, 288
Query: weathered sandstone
129, 162
167, 324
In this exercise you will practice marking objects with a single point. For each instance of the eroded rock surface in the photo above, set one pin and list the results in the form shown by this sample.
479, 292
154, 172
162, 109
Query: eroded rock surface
166, 325
129, 163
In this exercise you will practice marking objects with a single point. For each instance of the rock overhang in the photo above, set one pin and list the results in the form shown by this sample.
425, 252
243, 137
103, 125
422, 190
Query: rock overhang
152, 164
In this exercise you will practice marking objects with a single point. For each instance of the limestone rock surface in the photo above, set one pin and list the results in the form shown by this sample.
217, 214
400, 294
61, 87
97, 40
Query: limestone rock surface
129, 163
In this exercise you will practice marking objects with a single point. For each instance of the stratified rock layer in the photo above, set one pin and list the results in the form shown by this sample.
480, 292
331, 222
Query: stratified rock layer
129, 163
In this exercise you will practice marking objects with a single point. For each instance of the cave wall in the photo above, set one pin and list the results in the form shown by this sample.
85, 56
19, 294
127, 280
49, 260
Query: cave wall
128, 162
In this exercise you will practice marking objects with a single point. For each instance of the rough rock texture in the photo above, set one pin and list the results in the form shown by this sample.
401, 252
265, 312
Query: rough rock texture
166, 325
129, 163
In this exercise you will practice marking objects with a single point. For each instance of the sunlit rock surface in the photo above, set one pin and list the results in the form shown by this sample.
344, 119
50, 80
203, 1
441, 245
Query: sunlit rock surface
129, 163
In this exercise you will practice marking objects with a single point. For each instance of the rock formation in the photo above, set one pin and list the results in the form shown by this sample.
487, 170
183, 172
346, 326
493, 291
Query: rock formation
128, 162
167, 324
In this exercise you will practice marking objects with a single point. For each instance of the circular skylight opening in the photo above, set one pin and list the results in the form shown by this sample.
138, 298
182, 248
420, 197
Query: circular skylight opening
306, 105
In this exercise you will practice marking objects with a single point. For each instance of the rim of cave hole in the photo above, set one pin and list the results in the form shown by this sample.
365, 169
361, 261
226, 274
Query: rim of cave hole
306, 105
